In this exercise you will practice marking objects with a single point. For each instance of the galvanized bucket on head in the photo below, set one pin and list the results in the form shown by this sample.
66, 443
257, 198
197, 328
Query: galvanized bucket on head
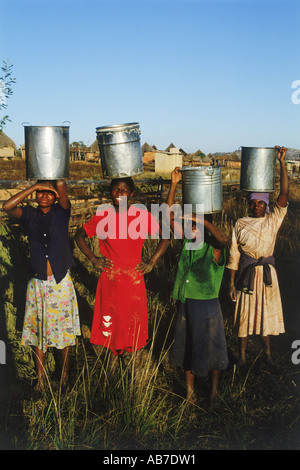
202, 185
258, 166
120, 150
47, 152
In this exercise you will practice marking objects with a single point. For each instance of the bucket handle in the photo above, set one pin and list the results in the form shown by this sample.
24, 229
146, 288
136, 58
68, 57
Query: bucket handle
28, 123
209, 171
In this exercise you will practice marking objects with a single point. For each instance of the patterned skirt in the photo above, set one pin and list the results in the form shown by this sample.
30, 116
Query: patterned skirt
51, 314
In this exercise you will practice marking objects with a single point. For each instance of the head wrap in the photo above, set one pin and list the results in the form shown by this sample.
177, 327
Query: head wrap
260, 197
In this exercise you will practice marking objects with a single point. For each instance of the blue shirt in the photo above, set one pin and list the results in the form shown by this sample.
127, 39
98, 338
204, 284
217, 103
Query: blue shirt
48, 240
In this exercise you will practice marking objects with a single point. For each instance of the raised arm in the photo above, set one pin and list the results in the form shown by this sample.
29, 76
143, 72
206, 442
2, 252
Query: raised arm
175, 225
221, 239
284, 182
11, 206
144, 267
62, 190
175, 178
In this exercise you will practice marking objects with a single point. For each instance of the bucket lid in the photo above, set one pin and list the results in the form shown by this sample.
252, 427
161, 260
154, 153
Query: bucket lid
190, 168
117, 127
201, 168
27, 124
259, 148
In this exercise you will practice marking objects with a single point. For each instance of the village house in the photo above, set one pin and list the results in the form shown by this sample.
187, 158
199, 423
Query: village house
81, 153
94, 154
293, 166
7, 146
230, 160
166, 161
148, 153
78, 152
201, 159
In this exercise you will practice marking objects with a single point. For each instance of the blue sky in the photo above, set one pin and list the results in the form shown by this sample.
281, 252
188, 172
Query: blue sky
204, 74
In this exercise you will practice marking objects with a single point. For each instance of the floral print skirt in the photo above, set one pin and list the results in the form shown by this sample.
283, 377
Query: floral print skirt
51, 314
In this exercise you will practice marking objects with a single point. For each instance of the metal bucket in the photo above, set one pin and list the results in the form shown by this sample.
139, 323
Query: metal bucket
258, 166
202, 185
47, 152
120, 150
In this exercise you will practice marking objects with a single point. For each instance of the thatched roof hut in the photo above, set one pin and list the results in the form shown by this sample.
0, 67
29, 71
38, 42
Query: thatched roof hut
171, 146
95, 146
147, 148
7, 146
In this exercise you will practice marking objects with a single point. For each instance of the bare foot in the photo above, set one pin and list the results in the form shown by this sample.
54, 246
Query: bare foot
269, 360
241, 362
213, 400
190, 396
64, 381
40, 386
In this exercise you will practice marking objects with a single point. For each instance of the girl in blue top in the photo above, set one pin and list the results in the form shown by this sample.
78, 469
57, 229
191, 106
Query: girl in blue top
51, 312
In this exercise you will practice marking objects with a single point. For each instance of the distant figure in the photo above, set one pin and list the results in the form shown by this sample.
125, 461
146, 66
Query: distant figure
199, 344
120, 321
254, 284
51, 313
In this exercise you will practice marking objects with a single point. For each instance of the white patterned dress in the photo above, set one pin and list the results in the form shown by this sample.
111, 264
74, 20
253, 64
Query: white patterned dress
51, 314
261, 312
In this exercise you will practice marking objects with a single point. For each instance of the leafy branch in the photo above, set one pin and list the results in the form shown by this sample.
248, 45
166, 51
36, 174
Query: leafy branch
6, 82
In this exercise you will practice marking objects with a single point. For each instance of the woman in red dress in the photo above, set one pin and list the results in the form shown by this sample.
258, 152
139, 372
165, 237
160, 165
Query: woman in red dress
120, 320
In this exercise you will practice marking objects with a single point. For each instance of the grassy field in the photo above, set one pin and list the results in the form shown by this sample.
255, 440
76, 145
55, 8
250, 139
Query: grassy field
14, 169
138, 402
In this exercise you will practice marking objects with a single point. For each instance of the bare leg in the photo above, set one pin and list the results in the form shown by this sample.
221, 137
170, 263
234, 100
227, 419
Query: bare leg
189, 379
215, 374
243, 347
214, 385
65, 357
40, 368
267, 348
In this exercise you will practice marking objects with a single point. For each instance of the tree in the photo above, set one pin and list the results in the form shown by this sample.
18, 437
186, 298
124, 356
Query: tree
6, 82
80, 143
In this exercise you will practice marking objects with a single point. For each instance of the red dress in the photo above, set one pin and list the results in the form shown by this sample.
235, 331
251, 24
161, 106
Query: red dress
120, 319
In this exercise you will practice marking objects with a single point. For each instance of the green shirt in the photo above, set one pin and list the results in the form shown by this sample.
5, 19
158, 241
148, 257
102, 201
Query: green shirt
199, 275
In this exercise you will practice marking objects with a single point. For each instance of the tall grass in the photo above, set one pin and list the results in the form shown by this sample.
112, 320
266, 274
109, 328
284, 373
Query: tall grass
137, 401
112, 402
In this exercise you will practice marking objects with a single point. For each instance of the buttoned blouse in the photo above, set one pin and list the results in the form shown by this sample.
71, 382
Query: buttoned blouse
48, 240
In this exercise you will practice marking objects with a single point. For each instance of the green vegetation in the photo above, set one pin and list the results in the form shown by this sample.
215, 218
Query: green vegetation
138, 402
6, 82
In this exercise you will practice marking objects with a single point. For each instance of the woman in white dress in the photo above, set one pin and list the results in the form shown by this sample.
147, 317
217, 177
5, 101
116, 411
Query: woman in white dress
253, 281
